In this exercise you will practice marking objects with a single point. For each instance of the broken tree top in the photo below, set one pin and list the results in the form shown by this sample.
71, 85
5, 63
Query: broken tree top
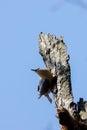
54, 53
53, 50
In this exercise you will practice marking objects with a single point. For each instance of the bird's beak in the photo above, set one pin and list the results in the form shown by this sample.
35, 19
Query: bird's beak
34, 69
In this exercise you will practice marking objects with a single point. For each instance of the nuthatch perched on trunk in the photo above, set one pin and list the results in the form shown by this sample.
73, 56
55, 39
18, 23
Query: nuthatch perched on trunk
46, 83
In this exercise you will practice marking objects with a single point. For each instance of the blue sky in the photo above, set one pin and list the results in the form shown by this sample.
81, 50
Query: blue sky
21, 21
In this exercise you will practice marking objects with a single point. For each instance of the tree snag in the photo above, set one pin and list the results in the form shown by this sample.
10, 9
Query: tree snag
54, 53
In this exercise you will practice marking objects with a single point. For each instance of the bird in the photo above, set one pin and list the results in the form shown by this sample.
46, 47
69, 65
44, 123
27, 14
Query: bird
46, 82
44, 89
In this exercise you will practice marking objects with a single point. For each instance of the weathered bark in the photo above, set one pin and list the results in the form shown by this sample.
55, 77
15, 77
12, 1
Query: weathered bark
54, 53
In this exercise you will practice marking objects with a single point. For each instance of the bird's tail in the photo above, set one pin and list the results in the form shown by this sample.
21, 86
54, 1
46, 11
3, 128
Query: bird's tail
48, 97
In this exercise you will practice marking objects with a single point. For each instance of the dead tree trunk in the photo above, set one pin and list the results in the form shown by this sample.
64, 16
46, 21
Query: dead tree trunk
54, 53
